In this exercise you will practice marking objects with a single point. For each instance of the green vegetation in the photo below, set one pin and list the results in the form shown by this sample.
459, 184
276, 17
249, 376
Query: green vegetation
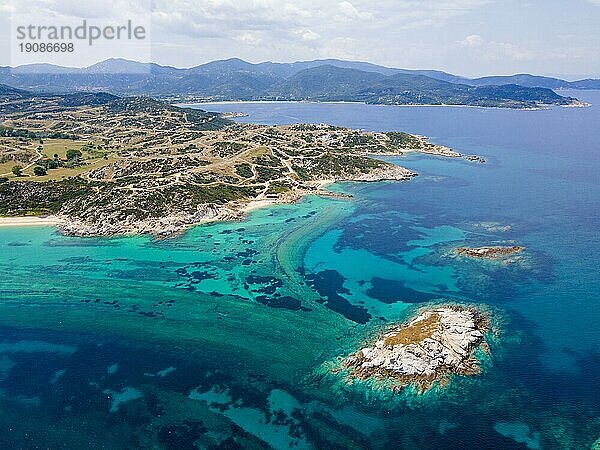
268, 161
267, 173
27, 197
53, 163
224, 149
142, 161
6, 131
40, 171
325, 82
244, 170
278, 187
335, 165
73, 154
14, 132
403, 140
17, 171
359, 140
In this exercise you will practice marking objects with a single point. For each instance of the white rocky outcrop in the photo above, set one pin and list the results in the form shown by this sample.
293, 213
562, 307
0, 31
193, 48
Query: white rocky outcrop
386, 173
111, 224
436, 343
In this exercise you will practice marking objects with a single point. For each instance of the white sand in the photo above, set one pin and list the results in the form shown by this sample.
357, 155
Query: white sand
257, 204
30, 221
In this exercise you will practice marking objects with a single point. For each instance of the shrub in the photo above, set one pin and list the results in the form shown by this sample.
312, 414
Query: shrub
73, 154
39, 171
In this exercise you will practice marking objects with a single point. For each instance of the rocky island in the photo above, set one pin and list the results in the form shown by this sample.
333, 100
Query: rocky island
496, 253
437, 343
102, 165
475, 158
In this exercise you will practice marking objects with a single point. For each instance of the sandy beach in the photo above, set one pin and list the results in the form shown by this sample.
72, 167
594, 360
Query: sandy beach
257, 204
29, 221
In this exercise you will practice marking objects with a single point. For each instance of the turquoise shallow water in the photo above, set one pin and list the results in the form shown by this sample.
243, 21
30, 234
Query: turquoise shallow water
224, 335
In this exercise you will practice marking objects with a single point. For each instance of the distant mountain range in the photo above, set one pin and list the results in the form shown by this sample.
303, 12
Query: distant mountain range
320, 80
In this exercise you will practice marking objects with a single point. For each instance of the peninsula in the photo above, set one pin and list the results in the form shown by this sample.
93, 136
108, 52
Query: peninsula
102, 165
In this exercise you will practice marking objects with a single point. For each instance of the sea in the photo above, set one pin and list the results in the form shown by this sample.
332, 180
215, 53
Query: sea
231, 335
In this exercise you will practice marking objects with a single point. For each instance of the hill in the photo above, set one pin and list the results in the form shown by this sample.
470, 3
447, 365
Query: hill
330, 83
319, 80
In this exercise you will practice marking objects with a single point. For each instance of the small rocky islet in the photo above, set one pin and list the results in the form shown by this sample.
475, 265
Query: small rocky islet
438, 342
496, 253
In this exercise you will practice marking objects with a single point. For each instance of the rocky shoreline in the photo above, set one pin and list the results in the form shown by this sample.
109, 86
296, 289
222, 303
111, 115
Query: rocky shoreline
437, 343
386, 173
169, 225
162, 176
178, 222
475, 158
441, 150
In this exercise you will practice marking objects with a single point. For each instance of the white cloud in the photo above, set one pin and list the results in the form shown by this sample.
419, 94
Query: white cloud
473, 40
499, 50
94, 9
349, 11
511, 52
494, 50
461, 36
249, 38
178, 23
6, 8
410, 14
277, 17
341, 48
307, 35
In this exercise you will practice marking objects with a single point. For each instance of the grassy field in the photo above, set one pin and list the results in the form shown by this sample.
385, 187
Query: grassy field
49, 148
6, 167
63, 172
59, 147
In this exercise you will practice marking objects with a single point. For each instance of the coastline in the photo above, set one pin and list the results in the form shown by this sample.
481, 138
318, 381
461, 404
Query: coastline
29, 221
539, 107
176, 224
436, 342
227, 215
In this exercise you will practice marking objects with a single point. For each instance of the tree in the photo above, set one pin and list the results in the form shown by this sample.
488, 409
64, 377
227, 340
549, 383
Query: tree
3, 179
73, 154
39, 171
17, 171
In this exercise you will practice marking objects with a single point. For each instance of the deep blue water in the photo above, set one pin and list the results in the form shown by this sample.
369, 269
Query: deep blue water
219, 338
542, 177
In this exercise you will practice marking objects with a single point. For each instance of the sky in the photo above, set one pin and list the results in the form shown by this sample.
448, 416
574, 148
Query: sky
464, 37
